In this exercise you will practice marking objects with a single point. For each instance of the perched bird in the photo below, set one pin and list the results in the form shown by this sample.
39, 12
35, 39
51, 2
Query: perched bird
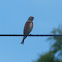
28, 27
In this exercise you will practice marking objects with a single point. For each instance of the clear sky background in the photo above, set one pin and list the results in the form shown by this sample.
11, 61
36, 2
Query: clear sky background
13, 15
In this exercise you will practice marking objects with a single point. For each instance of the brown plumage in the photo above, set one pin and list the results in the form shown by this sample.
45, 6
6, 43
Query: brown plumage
28, 28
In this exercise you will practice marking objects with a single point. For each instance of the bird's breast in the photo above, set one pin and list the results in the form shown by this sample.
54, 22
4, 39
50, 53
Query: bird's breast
31, 25
28, 27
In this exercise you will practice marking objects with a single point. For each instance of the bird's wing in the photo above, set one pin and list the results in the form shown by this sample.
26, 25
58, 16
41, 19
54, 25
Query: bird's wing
28, 27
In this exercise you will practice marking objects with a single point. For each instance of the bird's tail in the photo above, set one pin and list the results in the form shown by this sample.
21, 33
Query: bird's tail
22, 41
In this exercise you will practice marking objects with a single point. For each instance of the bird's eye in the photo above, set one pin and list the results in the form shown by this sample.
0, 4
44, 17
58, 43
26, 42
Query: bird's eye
30, 19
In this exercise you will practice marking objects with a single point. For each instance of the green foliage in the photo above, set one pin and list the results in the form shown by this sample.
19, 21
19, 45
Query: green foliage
55, 48
48, 57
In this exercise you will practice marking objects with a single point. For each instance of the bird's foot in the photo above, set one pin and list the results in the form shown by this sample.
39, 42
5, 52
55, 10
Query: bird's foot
30, 34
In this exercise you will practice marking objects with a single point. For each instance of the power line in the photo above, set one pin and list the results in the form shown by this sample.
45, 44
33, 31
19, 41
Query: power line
26, 35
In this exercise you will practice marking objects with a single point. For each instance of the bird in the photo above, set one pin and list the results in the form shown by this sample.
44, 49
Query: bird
27, 28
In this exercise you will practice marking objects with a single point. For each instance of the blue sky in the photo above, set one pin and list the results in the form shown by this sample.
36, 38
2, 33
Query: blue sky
13, 15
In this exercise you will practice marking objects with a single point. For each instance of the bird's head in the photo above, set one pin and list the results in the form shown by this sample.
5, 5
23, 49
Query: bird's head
31, 18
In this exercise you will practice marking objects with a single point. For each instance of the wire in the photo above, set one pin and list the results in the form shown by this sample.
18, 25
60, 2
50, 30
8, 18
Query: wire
26, 35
